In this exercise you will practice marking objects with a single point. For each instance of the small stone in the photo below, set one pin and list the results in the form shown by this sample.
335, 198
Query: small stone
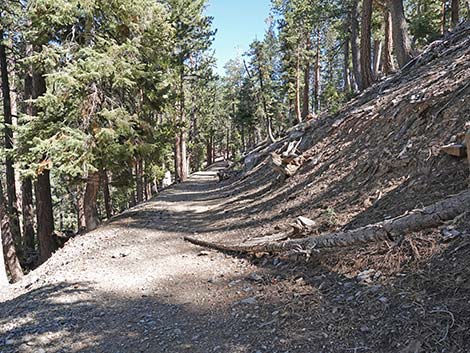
249, 301
383, 300
203, 253
255, 277
364, 328
365, 276
450, 233
177, 331
306, 222
234, 283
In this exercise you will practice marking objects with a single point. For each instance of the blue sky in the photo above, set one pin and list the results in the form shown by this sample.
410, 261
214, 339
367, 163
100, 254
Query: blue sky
238, 22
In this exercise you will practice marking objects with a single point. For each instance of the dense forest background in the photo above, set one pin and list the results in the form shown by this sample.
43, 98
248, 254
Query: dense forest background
101, 98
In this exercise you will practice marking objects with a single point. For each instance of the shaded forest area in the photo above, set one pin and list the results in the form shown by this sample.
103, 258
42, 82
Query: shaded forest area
100, 99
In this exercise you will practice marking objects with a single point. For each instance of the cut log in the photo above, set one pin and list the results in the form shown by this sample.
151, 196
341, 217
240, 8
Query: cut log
286, 167
429, 217
455, 149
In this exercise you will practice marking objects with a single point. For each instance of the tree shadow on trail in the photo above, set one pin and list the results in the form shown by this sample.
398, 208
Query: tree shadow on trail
298, 307
72, 317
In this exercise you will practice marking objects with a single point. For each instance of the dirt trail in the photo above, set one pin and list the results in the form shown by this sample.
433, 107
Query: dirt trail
135, 286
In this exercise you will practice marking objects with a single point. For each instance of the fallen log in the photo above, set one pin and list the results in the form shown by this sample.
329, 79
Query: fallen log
429, 217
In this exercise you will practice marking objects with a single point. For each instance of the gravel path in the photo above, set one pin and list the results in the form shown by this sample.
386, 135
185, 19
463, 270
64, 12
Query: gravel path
135, 286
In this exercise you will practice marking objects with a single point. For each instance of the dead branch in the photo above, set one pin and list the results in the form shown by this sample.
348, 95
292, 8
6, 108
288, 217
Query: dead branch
412, 221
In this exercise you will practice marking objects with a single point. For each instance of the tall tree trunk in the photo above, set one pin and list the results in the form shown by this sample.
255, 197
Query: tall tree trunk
44, 213
443, 16
242, 133
267, 118
354, 43
3, 270
12, 208
147, 191
366, 67
346, 73
28, 215
45, 217
209, 153
178, 171
180, 135
317, 74
80, 209
184, 155
401, 41
388, 65
183, 132
377, 57
307, 69
106, 194
139, 180
27, 208
11, 262
89, 201
455, 13
298, 111
227, 146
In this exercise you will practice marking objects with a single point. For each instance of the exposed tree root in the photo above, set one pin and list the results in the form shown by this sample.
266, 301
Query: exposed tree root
412, 221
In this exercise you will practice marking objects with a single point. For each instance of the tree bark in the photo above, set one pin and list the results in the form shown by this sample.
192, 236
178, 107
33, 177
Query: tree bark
429, 217
139, 180
3, 270
346, 72
89, 201
366, 67
455, 13
401, 41
181, 170
388, 65
298, 111
12, 208
317, 74
10, 260
178, 171
27, 208
306, 93
184, 155
44, 212
209, 153
354, 43
106, 194
183, 132
45, 217
28, 215
80, 210
443, 16
377, 57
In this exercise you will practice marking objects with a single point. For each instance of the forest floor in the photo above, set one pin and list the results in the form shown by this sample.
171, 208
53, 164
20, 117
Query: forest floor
134, 285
